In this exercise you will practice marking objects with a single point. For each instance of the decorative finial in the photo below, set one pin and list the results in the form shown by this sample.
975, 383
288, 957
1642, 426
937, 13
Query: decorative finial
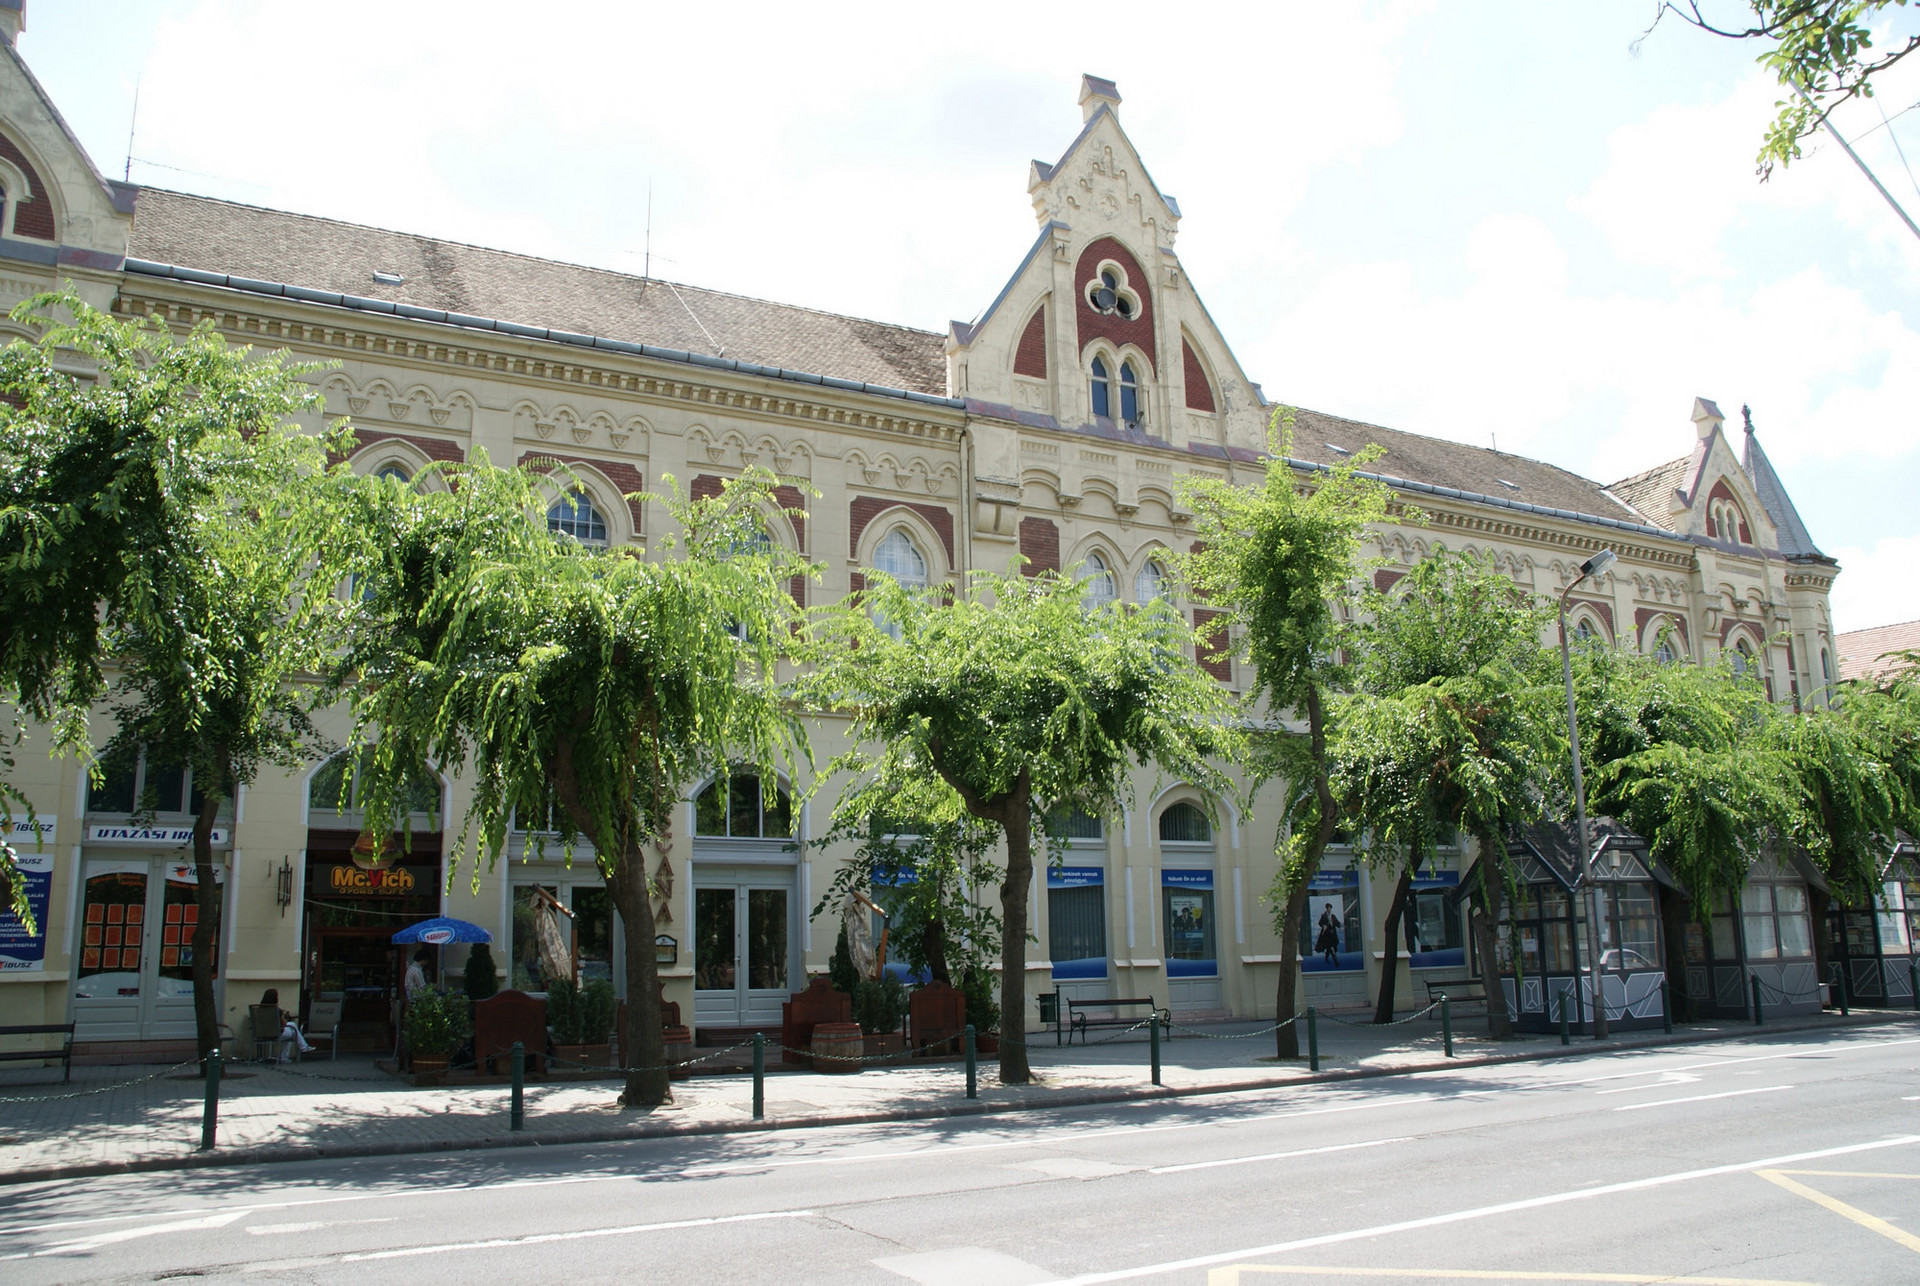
1746, 414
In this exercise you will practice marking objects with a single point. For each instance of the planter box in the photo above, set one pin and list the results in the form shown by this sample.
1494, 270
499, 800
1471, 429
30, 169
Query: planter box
884, 1050
568, 1058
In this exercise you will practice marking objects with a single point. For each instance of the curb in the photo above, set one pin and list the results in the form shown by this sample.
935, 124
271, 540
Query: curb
262, 1154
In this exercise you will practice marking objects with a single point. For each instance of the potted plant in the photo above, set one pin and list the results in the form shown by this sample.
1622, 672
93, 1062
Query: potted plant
436, 1025
880, 1007
983, 1011
580, 1019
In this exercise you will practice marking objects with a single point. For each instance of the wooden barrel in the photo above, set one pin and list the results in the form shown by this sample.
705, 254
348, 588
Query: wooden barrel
679, 1049
837, 1047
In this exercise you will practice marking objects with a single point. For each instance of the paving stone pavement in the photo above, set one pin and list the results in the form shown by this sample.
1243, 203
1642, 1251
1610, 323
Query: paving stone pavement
141, 1117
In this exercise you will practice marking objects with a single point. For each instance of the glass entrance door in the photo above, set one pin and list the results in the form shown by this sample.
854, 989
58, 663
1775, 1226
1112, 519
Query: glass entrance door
134, 979
742, 949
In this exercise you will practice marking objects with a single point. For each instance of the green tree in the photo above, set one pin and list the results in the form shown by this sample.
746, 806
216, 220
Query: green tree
217, 569
591, 685
1277, 560
1821, 51
1022, 701
1445, 637
1455, 726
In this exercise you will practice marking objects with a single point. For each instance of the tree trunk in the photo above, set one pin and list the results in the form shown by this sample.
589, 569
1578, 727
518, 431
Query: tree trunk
206, 929
1390, 961
1286, 1000
1016, 819
1492, 899
933, 946
647, 1083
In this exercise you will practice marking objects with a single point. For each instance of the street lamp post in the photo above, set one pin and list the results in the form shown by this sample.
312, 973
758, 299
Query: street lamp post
1591, 568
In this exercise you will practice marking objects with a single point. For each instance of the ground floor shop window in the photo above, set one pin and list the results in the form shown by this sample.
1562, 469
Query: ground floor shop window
1632, 928
1187, 901
1331, 930
1433, 931
562, 930
1776, 920
1543, 924
1077, 921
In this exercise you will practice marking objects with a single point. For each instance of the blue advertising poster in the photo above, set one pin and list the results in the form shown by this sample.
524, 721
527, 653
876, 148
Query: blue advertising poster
1433, 934
1332, 934
1075, 877
20, 950
1076, 922
1188, 897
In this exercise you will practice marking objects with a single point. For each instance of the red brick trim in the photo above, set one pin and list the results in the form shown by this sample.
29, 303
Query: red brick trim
32, 216
1039, 545
1721, 491
1136, 330
1641, 615
621, 475
1215, 656
705, 486
1601, 608
862, 510
432, 448
1385, 578
1030, 358
1199, 392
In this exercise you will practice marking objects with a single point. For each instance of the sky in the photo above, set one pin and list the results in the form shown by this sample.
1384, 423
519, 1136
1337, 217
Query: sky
1511, 224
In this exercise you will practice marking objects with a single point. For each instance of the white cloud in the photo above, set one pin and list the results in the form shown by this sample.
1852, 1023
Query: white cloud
1877, 586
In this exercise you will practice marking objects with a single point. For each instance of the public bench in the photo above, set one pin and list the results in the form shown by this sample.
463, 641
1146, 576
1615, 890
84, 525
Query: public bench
64, 1053
1456, 989
1078, 1018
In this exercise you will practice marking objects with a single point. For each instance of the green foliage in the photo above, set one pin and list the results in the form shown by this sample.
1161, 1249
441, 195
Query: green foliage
1821, 51
1855, 768
437, 1023
880, 1006
1020, 700
840, 970
976, 986
481, 979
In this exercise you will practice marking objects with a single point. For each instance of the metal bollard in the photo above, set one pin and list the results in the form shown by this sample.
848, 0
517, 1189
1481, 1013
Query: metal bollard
517, 1109
210, 1111
1666, 1009
1579, 1004
1153, 1038
759, 1076
1566, 1036
1758, 1019
1913, 980
1313, 1040
1446, 1021
973, 1070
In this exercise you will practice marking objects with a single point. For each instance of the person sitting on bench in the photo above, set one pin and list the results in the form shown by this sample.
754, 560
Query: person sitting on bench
290, 1033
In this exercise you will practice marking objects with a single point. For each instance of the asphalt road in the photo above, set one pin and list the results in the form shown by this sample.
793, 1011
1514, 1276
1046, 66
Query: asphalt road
1793, 1159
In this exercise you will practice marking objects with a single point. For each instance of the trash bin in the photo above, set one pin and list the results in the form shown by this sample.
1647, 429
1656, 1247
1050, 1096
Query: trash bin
1049, 1008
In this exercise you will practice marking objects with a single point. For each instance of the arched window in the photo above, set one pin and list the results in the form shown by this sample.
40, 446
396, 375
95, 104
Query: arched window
1826, 668
395, 470
1664, 649
1150, 584
1742, 656
733, 808
1185, 824
1129, 394
1100, 588
1102, 402
1583, 630
335, 789
574, 515
897, 556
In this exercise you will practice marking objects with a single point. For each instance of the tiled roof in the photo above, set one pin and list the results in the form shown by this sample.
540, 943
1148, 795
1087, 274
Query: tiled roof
1441, 463
1795, 540
1651, 492
1860, 650
324, 254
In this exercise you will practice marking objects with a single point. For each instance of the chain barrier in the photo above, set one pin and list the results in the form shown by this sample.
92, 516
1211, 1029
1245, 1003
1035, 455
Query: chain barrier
1779, 997
1244, 1035
100, 1089
1345, 1022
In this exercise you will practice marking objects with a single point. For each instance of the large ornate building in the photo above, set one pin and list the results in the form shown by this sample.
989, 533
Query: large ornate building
1056, 426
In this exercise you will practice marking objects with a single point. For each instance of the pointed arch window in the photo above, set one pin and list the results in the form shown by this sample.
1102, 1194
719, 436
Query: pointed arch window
574, 515
1101, 387
1742, 656
899, 558
1150, 584
1100, 589
395, 470
1129, 395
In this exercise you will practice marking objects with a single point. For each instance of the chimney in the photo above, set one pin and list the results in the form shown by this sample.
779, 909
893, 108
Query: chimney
13, 20
1706, 418
1094, 94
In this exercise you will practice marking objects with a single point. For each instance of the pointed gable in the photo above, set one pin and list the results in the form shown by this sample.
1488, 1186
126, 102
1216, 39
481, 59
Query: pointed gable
1795, 540
55, 194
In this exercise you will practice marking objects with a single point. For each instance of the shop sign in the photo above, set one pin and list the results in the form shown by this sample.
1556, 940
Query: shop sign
24, 834
1187, 879
1075, 877
150, 836
19, 949
394, 881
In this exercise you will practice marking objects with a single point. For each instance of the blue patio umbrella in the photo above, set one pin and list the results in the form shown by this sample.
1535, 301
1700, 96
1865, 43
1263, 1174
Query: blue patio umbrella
441, 931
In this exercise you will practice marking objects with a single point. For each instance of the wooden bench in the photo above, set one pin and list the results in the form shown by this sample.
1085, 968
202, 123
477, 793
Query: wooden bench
64, 1053
1077, 1019
1455, 989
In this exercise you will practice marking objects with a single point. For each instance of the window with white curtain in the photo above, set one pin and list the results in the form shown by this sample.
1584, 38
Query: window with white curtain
1100, 589
1150, 584
898, 557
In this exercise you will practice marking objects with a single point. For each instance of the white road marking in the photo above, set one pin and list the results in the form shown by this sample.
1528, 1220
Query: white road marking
98, 1240
310, 1225
1478, 1212
1276, 1156
1700, 1098
1670, 1078
1802, 1051
542, 1238
964, 1266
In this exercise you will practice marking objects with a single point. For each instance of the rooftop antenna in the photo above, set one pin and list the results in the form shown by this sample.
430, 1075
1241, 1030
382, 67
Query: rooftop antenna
126, 175
646, 271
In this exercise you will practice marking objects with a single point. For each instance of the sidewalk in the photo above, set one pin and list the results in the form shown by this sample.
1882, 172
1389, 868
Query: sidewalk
106, 1121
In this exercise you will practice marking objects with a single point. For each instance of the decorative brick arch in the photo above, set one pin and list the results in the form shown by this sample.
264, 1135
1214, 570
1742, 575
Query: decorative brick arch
32, 211
1030, 358
1194, 374
1119, 331
1722, 494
